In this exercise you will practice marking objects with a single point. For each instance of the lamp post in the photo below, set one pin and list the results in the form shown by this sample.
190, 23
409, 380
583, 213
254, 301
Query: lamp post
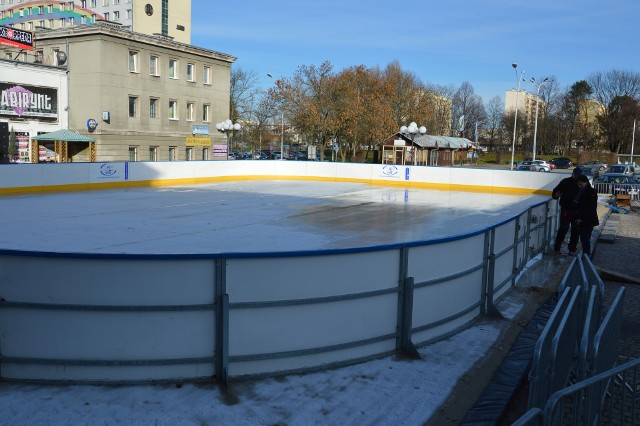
411, 131
515, 120
227, 126
281, 129
535, 126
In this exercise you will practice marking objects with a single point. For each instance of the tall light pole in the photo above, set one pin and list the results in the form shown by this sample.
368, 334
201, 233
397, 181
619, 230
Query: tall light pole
535, 126
281, 129
227, 126
515, 120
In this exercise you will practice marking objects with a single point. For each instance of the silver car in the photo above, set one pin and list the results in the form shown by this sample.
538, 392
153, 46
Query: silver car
535, 166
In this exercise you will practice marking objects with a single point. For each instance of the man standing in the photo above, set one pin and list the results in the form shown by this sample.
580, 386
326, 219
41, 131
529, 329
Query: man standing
566, 191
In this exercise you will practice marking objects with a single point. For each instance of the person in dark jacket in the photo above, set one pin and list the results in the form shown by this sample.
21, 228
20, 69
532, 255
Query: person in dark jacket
566, 192
587, 212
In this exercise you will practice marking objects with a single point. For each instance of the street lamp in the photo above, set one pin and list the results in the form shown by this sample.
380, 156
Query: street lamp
227, 126
281, 130
535, 126
411, 132
515, 120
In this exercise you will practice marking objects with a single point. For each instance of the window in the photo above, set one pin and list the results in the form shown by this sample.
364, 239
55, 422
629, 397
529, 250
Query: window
83, 19
128, 14
154, 65
50, 9
173, 68
173, 110
71, 21
40, 10
62, 7
116, 16
71, 5
191, 72
206, 75
93, 3
190, 111
205, 153
189, 153
51, 23
93, 18
30, 26
105, 2
133, 106
107, 16
153, 108
172, 153
41, 23
83, 4
133, 61
62, 22
153, 153
116, 1
205, 112
133, 153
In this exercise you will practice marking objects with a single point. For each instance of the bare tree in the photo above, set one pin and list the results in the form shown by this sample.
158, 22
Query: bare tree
244, 90
493, 123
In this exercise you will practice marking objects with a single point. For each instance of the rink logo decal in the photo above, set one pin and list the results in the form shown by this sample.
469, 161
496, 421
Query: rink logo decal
390, 171
107, 170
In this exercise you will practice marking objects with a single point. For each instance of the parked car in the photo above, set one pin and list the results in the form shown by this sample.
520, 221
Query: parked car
562, 162
617, 183
534, 166
601, 165
626, 169
617, 178
590, 171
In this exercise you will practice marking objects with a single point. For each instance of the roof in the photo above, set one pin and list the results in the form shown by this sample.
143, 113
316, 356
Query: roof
431, 141
63, 135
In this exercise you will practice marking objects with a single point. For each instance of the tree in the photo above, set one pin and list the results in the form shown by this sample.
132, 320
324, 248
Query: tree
468, 105
493, 123
243, 91
617, 123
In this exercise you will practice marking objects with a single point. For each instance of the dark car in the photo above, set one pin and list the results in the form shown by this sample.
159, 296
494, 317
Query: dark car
590, 171
562, 162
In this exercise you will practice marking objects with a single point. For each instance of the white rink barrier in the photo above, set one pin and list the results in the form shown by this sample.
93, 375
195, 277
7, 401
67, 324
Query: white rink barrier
93, 319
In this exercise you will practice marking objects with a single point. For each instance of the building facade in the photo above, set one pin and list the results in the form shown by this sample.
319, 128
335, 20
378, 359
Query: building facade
526, 105
142, 97
163, 17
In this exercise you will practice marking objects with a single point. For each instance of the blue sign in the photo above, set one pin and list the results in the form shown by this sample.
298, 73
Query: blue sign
199, 130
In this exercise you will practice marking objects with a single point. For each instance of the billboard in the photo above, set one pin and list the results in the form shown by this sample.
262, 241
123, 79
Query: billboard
16, 38
28, 101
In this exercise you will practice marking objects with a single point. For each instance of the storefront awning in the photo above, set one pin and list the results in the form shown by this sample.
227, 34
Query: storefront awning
63, 135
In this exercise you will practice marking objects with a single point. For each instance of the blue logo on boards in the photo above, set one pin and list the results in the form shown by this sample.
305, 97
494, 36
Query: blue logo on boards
107, 170
389, 170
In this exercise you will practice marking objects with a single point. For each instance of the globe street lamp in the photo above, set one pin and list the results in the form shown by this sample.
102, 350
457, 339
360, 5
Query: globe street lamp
411, 132
535, 126
281, 129
226, 127
515, 119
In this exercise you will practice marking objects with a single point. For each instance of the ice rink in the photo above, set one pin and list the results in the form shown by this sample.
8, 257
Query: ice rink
246, 216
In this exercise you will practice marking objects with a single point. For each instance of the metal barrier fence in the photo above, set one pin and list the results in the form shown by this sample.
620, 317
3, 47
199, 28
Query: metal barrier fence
581, 349
618, 188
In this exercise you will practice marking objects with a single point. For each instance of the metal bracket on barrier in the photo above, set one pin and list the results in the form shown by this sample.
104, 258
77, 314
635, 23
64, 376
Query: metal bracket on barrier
222, 325
407, 348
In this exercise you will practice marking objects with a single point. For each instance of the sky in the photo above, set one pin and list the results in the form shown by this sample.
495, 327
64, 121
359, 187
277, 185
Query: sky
442, 42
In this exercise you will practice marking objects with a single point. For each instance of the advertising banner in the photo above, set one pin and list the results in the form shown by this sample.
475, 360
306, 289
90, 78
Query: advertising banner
28, 101
16, 38
199, 141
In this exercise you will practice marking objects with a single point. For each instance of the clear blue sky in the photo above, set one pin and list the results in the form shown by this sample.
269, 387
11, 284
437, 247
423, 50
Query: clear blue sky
442, 42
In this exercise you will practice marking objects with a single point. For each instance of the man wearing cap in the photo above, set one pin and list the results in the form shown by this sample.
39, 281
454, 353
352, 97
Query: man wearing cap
566, 191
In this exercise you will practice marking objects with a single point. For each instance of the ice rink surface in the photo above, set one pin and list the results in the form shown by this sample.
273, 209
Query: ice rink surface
247, 216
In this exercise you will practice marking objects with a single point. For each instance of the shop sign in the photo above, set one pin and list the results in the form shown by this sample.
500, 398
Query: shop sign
219, 150
198, 141
16, 38
28, 101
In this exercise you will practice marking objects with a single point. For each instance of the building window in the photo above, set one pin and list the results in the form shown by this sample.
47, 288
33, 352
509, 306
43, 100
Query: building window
128, 14
133, 153
190, 111
189, 154
205, 153
153, 153
93, 18
107, 16
40, 10
71, 21
206, 75
116, 15
173, 68
191, 72
153, 108
71, 5
133, 61
62, 22
30, 26
62, 7
41, 24
173, 110
172, 153
133, 106
83, 19
39, 56
105, 2
51, 23
154, 68
93, 3
116, 1
205, 113
83, 4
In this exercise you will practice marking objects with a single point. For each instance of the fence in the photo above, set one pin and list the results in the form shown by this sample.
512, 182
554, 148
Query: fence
582, 349
90, 318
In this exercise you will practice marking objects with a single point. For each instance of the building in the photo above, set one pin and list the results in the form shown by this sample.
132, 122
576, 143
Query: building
163, 17
526, 105
46, 90
141, 97
422, 150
